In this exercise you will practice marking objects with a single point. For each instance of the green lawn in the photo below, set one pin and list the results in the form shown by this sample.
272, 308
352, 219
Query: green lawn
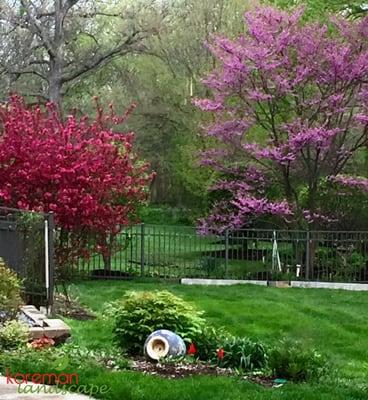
334, 322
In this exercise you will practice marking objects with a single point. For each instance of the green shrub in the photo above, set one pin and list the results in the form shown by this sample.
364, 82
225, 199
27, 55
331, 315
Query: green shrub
138, 314
207, 342
212, 266
13, 335
10, 287
238, 352
242, 354
291, 360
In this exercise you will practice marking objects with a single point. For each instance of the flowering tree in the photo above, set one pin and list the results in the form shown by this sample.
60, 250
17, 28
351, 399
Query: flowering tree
83, 171
290, 110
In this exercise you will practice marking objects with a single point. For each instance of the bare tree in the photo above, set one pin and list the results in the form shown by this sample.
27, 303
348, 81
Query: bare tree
49, 44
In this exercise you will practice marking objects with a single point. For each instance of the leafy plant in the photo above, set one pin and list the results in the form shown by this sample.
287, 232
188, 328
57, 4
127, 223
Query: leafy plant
225, 350
291, 360
241, 353
13, 335
339, 263
211, 266
140, 313
206, 343
63, 359
110, 358
10, 287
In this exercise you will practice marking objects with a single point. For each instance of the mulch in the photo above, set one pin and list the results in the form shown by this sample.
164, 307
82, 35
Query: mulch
172, 370
71, 308
178, 370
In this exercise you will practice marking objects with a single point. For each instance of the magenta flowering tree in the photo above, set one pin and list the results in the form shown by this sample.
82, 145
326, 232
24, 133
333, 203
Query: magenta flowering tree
81, 169
289, 111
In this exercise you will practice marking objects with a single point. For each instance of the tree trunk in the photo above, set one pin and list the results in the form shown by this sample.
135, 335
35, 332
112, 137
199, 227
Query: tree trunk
56, 58
55, 84
107, 261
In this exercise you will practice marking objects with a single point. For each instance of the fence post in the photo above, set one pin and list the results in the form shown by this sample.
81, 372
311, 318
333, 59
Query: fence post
51, 258
307, 257
226, 251
142, 250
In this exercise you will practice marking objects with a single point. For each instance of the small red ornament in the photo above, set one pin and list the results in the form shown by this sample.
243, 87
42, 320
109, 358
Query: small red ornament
192, 349
220, 353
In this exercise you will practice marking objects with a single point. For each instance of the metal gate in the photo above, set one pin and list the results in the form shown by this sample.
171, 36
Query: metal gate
26, 245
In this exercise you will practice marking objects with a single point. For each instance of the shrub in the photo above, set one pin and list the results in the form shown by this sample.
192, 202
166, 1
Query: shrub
212, 266
220, 348
207, 342
291, 360
241, 354
140, 313
13, 335
10, 298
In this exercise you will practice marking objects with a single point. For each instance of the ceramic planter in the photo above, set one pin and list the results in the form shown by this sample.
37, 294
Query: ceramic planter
163, 343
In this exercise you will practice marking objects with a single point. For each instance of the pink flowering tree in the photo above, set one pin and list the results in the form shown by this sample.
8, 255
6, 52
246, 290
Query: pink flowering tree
289, 110
82, 170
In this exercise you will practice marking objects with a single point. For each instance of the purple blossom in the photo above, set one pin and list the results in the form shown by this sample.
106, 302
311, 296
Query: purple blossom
318, 137
355, 182
289, 99
208, 105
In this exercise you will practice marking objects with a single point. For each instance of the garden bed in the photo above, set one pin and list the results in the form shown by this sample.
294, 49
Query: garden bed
177, 370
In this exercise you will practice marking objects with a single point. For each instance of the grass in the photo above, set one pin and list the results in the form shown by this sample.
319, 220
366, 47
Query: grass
333, 322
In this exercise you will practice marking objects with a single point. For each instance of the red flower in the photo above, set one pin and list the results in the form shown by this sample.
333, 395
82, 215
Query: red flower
220, 353
192, 349
42, 343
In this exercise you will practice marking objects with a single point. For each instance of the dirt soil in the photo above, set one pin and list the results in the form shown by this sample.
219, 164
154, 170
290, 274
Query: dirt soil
184, 369
71, 308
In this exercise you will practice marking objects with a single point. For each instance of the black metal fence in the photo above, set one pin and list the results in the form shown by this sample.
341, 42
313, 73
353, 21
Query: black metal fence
26, 245
179, 252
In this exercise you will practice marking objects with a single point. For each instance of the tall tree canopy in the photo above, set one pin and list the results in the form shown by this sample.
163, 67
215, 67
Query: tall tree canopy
49, 44
290, 109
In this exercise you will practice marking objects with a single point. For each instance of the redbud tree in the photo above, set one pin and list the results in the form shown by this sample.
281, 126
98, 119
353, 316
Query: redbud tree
80, 169
289, 112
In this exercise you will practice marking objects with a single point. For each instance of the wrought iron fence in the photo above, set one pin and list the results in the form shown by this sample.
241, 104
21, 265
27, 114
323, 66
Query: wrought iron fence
179, 252
26, 245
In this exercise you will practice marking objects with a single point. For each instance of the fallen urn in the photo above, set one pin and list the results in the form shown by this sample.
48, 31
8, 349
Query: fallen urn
163, 343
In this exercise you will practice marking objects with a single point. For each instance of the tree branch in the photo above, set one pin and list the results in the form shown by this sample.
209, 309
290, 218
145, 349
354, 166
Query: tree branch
37, 29
102, 59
